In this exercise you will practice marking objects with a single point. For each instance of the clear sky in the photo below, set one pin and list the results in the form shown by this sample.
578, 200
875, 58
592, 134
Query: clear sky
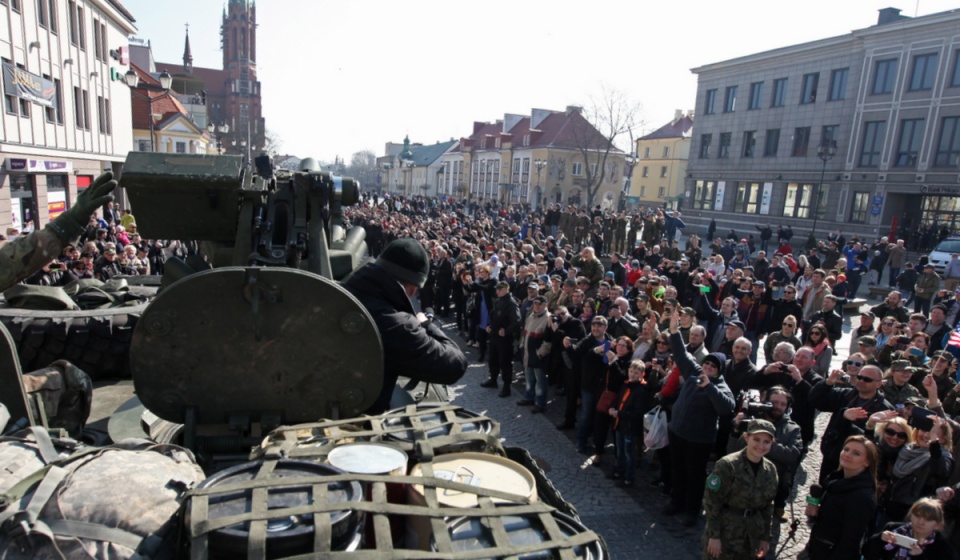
342, 76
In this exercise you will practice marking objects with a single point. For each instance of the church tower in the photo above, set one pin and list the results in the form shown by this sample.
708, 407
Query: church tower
187, 55
242, 109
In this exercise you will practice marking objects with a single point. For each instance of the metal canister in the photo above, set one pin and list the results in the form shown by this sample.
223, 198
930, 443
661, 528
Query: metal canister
475, 533
375, 458
434, 425
286, 535
477, 469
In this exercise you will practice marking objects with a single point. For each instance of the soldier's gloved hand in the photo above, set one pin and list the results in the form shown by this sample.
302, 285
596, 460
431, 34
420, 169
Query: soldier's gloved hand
72, 222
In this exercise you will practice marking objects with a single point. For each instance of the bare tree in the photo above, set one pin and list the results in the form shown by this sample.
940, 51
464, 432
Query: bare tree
595, 132
271, 142
363, 167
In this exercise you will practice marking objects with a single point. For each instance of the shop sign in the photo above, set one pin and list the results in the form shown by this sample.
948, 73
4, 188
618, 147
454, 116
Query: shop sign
56, 208
38, 165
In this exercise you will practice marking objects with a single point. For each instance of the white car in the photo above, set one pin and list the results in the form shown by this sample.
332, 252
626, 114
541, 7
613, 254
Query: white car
940, 255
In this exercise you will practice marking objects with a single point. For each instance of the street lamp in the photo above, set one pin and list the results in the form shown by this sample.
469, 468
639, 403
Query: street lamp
133, 80
630, 160
217, 131
539, 163
825, 151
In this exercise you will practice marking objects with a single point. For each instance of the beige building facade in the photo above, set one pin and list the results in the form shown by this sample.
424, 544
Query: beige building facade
659, 177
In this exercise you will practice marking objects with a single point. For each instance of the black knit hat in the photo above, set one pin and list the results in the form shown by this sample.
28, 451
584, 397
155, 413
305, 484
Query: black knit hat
406, 260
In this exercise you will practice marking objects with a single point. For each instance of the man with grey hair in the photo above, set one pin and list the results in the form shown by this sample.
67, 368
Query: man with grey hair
784, 352
799, 377
621, 323
787, 333
696, 345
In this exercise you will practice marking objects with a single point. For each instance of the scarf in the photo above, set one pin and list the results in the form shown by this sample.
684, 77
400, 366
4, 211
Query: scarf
907, 531
818, 349
911, 458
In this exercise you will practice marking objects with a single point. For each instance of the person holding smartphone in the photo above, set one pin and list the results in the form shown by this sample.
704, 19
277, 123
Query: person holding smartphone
919, 539
704, 397
921, 467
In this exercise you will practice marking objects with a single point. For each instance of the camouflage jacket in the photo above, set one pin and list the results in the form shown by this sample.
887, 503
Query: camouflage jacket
27, 254
739, 503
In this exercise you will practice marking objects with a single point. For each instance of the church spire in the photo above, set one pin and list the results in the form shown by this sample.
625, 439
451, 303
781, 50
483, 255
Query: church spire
187, 55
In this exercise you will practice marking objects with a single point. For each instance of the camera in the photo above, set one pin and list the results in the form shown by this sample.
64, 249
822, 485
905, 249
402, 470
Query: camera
757, 407
784, 368
903, 340
845, 378
555, 319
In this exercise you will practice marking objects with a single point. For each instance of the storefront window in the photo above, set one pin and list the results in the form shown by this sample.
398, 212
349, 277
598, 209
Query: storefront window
703, 195
748, 198
56, 195
940, 211
23, 197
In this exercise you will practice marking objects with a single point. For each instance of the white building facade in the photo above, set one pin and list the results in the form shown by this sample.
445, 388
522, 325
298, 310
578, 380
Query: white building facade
67, 114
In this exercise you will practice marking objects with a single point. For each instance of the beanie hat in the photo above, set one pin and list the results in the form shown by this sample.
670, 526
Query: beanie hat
405, 260
717, 359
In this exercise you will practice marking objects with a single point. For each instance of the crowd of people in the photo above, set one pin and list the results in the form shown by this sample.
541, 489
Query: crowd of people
108, 247
607, 316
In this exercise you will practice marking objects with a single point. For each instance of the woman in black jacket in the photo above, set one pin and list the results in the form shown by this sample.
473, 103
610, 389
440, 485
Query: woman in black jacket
847, 505
925, 523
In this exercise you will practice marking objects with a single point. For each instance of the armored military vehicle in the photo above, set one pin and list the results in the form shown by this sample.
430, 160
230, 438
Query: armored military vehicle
256, 360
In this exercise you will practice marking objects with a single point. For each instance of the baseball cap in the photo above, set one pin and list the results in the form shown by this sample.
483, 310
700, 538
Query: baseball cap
761, 426
738, 324
867, 340
900, 365
539, 299
869, 313
502, 285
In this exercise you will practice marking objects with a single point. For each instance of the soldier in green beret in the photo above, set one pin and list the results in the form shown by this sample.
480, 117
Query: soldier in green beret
739, 499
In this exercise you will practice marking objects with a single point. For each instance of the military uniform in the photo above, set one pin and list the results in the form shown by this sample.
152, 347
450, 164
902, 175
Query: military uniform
28, 253
739, 506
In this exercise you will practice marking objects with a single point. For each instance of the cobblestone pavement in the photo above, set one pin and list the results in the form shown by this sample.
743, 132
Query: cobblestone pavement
628, 519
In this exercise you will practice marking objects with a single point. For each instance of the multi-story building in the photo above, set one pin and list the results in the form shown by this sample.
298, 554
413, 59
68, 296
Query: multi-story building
549, 156
859, 132
160, 121
66, 107
413, 169
659, 177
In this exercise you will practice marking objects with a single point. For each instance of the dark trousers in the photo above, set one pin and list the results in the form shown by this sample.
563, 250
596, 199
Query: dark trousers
501, 359
688, 461
442, 306
601, 429
571, 381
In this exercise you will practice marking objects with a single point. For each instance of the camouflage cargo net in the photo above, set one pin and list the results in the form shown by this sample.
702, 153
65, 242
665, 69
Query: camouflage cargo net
314, 441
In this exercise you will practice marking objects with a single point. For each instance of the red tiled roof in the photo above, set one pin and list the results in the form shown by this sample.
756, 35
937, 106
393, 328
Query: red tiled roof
141, 99
560, 129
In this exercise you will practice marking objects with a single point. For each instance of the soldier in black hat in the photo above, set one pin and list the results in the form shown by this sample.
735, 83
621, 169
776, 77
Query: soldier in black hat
413, 346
